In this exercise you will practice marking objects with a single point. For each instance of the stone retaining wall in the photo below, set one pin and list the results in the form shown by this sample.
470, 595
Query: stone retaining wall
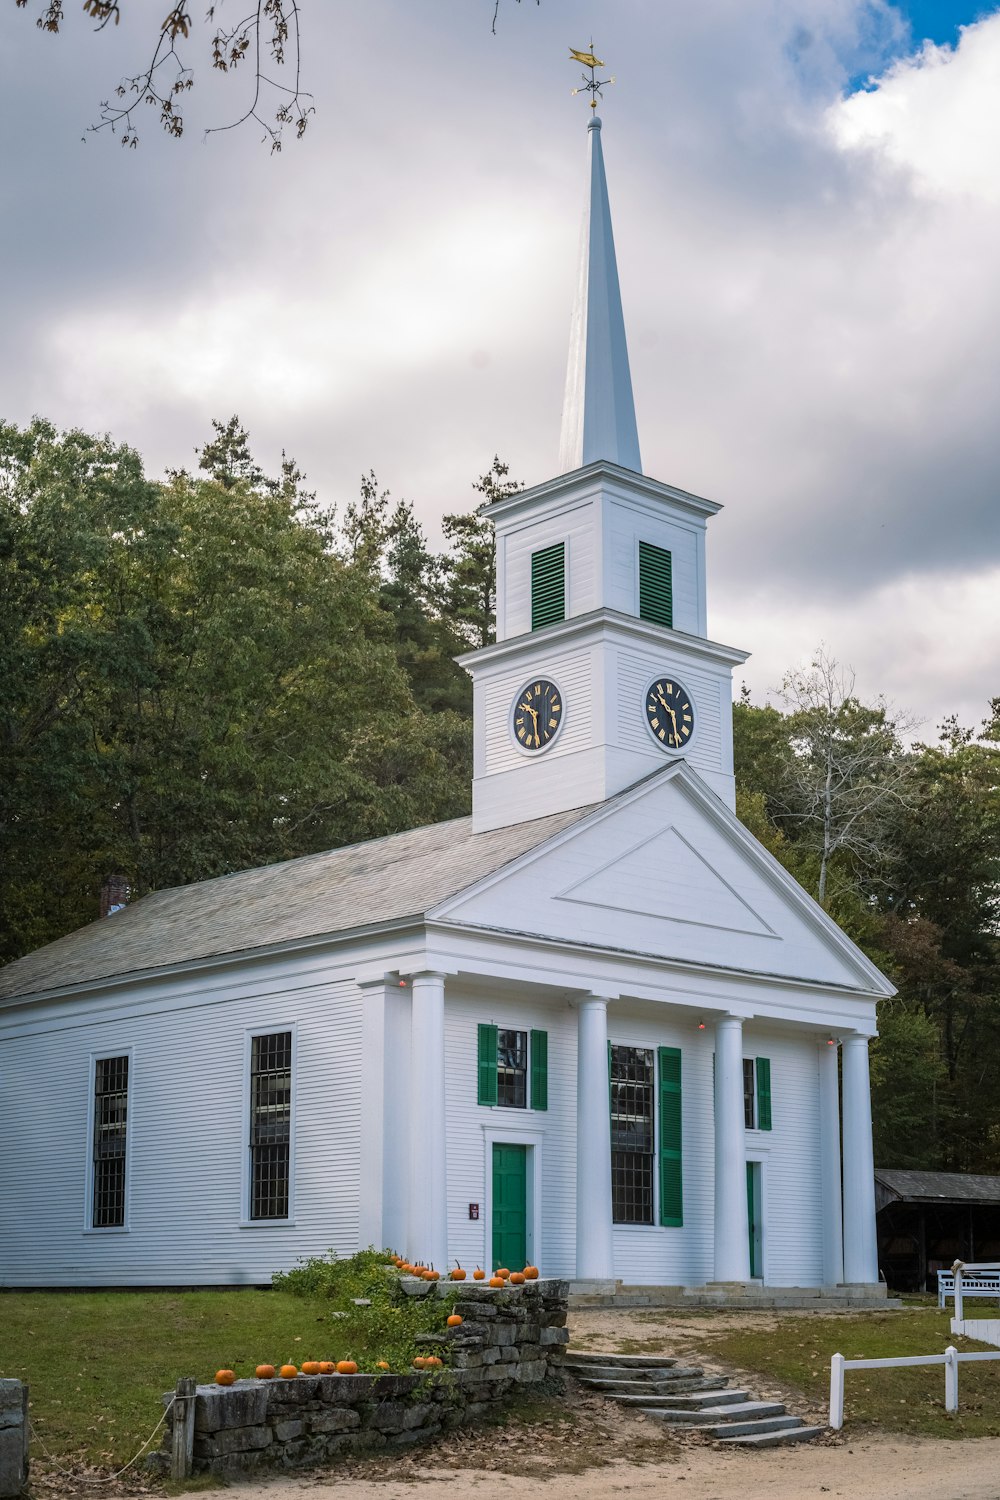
13, 1438
510, 1338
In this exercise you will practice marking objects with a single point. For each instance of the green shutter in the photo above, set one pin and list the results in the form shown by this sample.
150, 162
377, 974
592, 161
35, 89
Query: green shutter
487, 1065
548, 586
539, 1070
656, 598
671, 1172
763, 1093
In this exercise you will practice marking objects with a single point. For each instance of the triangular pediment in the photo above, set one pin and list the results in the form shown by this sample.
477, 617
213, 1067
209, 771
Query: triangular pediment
666, 869
666, 877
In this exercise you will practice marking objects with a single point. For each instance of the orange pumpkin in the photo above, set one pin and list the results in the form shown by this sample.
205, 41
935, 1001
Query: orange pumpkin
433, 1363
478, 1275
225, 1377
265, 1372
455, 1320
496, 1281
311, 1367
288, 1371
517, 1278
326, 1367
458, 1274
419, 1362
531, 1273
383, 1364
346, 1367
432, 1275
503, 1273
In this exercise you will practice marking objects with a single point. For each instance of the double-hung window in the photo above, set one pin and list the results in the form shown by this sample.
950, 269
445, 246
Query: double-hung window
632, 1089
513, 1068
270, 1124
109, 1142
757, 1093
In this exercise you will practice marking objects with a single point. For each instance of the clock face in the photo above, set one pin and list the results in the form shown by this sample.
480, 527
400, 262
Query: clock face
536, 714
669, 713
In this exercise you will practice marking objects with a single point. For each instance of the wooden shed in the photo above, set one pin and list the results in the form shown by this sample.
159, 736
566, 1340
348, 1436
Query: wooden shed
928, 1220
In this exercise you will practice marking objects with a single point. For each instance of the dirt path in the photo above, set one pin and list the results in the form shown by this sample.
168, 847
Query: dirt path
918, 1470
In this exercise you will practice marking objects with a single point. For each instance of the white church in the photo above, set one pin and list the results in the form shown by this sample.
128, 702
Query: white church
594, 1026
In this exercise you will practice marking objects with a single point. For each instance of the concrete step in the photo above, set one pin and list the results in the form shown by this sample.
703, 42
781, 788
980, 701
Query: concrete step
713, 1397
620, 1361
715, 1383
707, 1415
775, 1439
726, 1430
620, 1380
699, 1400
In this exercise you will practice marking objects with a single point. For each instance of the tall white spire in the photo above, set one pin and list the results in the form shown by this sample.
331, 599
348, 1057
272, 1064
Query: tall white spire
598, 410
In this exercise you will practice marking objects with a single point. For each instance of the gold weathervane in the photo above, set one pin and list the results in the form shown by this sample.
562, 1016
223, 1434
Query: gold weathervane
593, 84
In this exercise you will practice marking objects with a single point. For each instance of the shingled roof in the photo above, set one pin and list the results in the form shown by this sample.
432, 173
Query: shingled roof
362, 885
935, 1187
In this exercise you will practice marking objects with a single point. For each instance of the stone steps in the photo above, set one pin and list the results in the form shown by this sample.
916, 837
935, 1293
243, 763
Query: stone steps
683, 1396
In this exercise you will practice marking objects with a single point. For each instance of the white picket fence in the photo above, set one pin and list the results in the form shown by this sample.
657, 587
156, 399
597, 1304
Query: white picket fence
980, 1279
951, 1359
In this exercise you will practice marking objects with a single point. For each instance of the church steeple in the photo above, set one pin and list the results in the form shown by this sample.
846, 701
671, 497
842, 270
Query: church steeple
598, 410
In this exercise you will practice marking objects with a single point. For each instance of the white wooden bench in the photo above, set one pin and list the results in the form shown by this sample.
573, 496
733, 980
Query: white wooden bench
983, 1281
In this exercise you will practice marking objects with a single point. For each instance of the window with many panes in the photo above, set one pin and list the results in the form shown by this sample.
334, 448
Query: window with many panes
632, 1087
110, 1130
757, 1093
270, 1124
512, 1068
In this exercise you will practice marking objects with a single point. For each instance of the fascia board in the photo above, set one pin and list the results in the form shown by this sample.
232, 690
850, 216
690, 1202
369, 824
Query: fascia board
626, 629
588, 481
574, 967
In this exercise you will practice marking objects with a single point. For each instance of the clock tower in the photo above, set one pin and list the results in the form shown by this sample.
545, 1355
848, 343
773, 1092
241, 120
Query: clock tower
602, 671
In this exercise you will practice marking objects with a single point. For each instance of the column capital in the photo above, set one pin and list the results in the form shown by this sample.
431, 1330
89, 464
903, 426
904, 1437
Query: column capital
424, 974
852, 1038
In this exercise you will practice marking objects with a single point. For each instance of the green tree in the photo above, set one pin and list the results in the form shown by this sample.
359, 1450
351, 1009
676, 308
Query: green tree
197, 682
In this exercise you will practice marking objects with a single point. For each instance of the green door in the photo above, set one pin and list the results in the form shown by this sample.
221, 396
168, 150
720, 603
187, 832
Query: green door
510, 1206
753, 1216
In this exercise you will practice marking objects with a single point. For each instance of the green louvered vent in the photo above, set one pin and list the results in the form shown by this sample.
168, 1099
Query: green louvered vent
548, 586
671, 1176
656, 598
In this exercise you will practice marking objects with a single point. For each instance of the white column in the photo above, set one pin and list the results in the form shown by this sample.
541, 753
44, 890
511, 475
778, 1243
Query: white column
860, 1250
373, 1128
594, 1246
385, 1114
427, 1232
732, 1229
829, 1164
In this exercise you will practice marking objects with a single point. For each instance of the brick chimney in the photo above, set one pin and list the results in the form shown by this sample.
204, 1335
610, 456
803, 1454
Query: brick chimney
114, 895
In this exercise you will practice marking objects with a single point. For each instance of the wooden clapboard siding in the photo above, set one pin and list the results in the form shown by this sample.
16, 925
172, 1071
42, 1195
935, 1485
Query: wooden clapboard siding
571, 671
576, 527
187, 1138
789, 1154
629, 525
468, 1162
636, 669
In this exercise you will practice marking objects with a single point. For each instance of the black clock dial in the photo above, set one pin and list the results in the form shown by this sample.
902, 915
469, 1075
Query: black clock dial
669, 713
537, 714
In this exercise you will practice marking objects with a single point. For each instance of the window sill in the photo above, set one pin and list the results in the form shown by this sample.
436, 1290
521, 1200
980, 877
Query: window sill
107, 1229
267, 1224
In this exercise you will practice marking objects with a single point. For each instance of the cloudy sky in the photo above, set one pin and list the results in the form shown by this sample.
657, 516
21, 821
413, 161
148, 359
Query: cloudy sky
806, 196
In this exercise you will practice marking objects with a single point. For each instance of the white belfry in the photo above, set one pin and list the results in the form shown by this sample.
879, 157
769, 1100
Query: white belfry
598, 411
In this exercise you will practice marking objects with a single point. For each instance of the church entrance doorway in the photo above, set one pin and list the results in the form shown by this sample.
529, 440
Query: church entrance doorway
754, 1219
510, 1206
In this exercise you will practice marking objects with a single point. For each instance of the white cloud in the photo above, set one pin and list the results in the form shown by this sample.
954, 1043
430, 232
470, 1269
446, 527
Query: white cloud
935, 115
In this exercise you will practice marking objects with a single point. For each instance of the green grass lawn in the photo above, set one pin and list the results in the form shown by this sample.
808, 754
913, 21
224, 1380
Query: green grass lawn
797, 1354
98, 1362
